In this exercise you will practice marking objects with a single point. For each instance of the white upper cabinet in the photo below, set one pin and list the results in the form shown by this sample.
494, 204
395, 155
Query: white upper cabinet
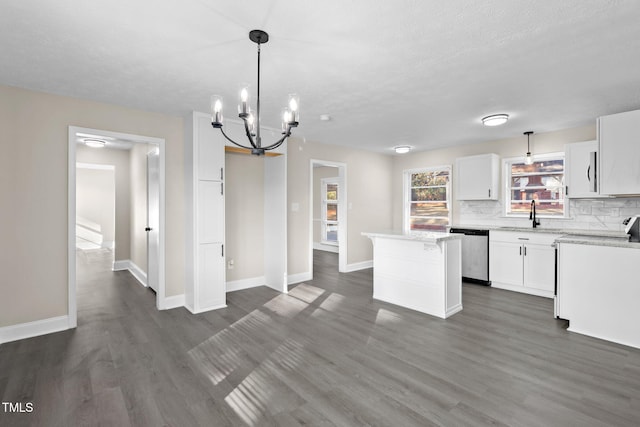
580, 170
619, 139
477, 177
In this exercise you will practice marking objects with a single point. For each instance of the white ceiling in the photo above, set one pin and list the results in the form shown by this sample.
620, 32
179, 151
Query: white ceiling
412, 72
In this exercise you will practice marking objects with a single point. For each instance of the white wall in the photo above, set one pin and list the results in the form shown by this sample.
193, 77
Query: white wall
120, 160
34, 140
96, 201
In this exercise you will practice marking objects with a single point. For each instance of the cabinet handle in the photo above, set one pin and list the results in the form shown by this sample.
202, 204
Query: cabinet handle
221, 174
566, 190
589, 173
489, 192
520, 250
222, 189
523, 238
525, 251
222, 250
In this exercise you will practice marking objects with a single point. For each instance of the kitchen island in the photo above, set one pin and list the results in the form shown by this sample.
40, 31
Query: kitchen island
420, 271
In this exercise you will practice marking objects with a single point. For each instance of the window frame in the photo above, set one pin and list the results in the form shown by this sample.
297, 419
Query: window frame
406, 196
324, 222
506, 173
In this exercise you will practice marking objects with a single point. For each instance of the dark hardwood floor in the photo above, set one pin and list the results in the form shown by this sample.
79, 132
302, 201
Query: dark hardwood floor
325, 354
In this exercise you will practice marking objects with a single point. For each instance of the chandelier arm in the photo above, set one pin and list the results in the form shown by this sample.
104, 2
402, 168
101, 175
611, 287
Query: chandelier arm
278, 143
232, 141
248, 132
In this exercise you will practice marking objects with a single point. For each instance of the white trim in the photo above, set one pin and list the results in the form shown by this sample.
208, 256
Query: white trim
238, 285
71, 209
33, 329
137, 272
95, 166
359, 266
292, 279
204, 310
173, 301
327, 247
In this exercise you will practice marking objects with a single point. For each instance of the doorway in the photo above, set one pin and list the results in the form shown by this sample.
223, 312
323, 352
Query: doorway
152, 170
328, 210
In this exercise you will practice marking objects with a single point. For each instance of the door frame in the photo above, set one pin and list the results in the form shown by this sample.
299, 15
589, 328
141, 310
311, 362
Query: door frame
342, 208
71, 220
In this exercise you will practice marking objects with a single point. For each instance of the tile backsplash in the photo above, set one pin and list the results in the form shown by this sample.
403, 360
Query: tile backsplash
586, 214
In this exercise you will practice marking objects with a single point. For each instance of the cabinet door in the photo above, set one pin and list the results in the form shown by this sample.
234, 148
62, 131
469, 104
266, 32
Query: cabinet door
211, 292
210, 212
539, 267
505, 263
210, 151
476, 177
580, 169
619, 139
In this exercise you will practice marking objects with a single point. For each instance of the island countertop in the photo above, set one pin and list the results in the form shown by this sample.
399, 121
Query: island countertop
432, 237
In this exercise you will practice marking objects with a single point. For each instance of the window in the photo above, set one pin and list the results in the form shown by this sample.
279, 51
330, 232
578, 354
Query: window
541, 181
330, 194
427, 193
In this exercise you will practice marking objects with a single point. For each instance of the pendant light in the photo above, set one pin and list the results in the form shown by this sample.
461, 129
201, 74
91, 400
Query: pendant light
528, 160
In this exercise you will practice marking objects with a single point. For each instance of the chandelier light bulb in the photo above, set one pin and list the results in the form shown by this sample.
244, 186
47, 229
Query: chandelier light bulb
216, 111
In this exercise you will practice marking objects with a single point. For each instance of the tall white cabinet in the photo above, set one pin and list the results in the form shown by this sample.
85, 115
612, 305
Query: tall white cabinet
619, 140
204, 193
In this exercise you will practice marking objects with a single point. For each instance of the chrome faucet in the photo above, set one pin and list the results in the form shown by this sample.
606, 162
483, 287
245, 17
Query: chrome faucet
532, 214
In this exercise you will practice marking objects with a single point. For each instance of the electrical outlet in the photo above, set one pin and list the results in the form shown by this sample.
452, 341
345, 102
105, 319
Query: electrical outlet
230, 264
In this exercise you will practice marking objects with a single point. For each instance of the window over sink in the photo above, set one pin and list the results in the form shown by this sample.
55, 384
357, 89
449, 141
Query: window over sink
427, 194
542, 182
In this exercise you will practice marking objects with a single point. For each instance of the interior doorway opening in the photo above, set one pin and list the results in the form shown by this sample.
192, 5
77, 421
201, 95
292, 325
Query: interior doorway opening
328, 210
139, 236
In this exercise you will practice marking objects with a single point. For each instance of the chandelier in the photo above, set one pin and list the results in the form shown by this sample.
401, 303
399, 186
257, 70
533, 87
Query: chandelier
251, 119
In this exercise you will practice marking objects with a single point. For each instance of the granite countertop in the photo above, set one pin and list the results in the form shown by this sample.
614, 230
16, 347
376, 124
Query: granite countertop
599, 241
615, 235
426, 237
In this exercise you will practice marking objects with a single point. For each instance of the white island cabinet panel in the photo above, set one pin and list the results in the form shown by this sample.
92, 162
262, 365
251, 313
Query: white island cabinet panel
418, 272
599, 291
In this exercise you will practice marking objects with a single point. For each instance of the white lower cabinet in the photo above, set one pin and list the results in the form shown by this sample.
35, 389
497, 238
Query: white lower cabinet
523, 262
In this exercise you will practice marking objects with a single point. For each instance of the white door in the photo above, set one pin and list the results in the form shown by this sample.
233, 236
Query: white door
153, 218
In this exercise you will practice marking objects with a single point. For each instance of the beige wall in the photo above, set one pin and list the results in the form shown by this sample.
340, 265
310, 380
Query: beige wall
120, 160
549, 142
368, 189
244, 215
34, 199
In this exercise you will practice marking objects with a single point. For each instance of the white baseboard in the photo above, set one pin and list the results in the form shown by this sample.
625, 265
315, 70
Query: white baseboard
173, 301
292, 279
34, 329
238, 285
137, 272
326, 248
359, 266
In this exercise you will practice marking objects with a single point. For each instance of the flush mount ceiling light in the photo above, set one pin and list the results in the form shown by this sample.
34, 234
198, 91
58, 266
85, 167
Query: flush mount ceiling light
528, 159
251, 120
94, 143
495, 120
402, 149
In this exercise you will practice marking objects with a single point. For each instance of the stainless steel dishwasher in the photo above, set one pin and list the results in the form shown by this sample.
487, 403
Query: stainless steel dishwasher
475, 254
